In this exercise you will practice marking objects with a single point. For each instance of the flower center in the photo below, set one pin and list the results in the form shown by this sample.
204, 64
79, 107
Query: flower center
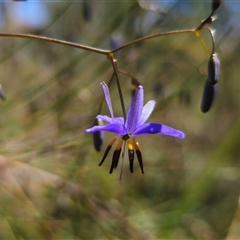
125, 137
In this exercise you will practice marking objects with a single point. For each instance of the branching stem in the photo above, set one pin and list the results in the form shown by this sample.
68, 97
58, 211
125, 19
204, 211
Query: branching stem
53, 40
92, 49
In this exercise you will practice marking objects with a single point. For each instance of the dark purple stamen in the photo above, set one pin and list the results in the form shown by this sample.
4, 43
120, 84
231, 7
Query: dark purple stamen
131, 159
139, 157
115, 159
105, 155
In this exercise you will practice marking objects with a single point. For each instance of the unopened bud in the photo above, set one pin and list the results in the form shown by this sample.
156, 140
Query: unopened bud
116, 41
215, 4
208, 96
98, 136
87, 11
2, 93
213, 69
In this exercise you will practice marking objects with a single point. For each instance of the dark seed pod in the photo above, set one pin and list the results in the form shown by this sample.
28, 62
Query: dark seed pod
208, 96
213, 69
215, 4
98, 136
87, 11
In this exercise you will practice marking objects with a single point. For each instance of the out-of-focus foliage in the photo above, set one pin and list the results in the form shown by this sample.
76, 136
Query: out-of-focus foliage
50, 183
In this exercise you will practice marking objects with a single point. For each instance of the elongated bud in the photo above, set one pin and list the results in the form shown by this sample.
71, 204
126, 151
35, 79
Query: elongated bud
215, 4
2, 93
213, 69
116, 40
98, 136
87, 11
208, 96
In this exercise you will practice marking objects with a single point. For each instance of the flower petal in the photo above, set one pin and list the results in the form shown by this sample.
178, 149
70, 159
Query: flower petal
147, 110
112, 127
107, 97
135, 110
105, 118
156, 128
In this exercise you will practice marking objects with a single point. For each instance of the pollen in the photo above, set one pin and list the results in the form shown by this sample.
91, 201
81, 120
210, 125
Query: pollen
130, 145
136, 144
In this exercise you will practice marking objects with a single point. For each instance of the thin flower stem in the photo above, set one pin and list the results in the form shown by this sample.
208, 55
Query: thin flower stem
198, 35
152, 36
125, 73
92, 49
53, 40
114, 65
123, 152
134, 81
203, 23
212, 39
108, 53
200, 27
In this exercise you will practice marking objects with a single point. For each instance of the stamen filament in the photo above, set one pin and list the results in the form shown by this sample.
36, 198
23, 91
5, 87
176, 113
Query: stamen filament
123, 153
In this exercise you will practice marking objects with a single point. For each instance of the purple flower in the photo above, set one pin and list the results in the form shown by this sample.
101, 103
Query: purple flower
133, 126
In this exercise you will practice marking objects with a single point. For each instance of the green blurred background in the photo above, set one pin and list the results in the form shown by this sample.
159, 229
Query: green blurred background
51, 186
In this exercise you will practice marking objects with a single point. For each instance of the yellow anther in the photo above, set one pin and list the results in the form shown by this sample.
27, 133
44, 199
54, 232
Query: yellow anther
135, 144
129, 145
